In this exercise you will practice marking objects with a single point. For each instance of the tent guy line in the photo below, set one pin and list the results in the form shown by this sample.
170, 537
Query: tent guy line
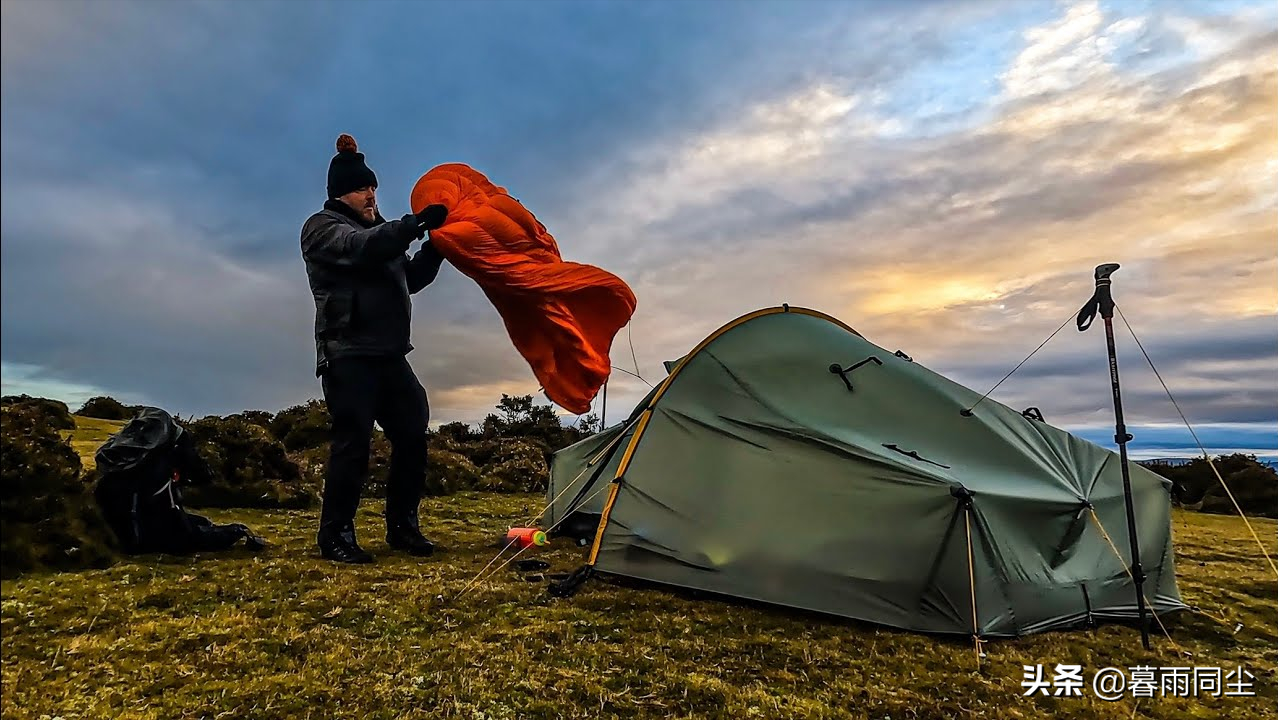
1201, 447
536, 518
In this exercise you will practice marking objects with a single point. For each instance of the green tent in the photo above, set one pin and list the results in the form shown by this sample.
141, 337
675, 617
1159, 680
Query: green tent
788, 460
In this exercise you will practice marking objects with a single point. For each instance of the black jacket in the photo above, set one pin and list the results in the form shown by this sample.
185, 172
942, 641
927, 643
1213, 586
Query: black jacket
362, 280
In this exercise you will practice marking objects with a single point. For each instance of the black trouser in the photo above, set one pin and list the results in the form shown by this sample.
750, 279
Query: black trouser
360, 390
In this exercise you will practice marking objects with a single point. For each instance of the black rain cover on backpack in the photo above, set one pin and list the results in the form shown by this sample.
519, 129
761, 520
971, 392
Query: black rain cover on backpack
152, 430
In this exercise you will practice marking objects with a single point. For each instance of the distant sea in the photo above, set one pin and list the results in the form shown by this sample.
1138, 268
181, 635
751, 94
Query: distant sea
1170, 443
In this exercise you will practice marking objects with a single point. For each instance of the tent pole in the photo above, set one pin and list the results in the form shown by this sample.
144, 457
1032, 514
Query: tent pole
1103, 301
603, 415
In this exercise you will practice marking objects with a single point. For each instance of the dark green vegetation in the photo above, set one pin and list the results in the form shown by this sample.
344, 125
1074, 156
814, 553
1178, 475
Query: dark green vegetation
51, 413
1196, 486
106, 408
50, 518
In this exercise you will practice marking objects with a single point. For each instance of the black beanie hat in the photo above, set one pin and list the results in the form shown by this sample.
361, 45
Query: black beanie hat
347, 171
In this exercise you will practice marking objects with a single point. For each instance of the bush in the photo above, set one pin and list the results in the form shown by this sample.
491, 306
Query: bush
519, 417
379, 454
52, 413
497, 454
453, 433
449, 472
302, 427
107, 408
516, 466
312, 463
479, 452
250, 468
50, 518
1194, 484
510, 452
261, 418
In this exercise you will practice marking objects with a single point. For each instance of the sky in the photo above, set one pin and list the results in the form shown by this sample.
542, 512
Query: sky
942, 176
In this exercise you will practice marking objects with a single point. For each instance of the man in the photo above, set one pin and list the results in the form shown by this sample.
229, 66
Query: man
362, 279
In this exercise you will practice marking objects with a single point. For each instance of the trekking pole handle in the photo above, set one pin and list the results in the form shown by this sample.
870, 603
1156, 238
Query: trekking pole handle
1102, 301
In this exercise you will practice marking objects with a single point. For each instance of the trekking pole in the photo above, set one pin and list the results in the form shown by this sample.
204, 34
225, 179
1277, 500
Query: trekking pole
1103, 302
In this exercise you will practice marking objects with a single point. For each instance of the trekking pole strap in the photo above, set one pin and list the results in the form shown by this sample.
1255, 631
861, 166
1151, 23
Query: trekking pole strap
1102, 301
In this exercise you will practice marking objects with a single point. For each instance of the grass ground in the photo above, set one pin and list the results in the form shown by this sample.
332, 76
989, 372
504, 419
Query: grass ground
284, 634
89, 434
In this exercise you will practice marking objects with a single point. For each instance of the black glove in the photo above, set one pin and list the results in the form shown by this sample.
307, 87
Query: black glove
432, 217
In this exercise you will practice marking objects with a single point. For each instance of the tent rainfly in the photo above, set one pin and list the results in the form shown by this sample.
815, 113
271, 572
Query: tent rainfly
788, 460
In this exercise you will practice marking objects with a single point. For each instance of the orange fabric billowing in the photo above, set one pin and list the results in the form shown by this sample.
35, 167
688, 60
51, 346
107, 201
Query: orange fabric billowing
561, 316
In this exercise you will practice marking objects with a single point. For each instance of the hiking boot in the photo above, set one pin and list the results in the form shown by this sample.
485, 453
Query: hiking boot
409, 539
341, 547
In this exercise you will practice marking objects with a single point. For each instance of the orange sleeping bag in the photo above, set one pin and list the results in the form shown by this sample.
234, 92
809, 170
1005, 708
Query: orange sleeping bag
561, 316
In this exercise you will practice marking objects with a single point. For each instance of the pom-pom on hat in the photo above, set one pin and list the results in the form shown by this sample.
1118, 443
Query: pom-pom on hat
347, 171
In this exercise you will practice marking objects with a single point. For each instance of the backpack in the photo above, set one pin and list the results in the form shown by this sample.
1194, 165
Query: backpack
139, 493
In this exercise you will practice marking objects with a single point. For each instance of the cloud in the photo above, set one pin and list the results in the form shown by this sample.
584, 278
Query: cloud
18, 379
124, 284
942, 177
953, 245
1062, 54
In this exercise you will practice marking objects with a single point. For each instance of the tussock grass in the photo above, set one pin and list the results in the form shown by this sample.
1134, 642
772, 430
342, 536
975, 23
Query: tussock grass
285, 634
